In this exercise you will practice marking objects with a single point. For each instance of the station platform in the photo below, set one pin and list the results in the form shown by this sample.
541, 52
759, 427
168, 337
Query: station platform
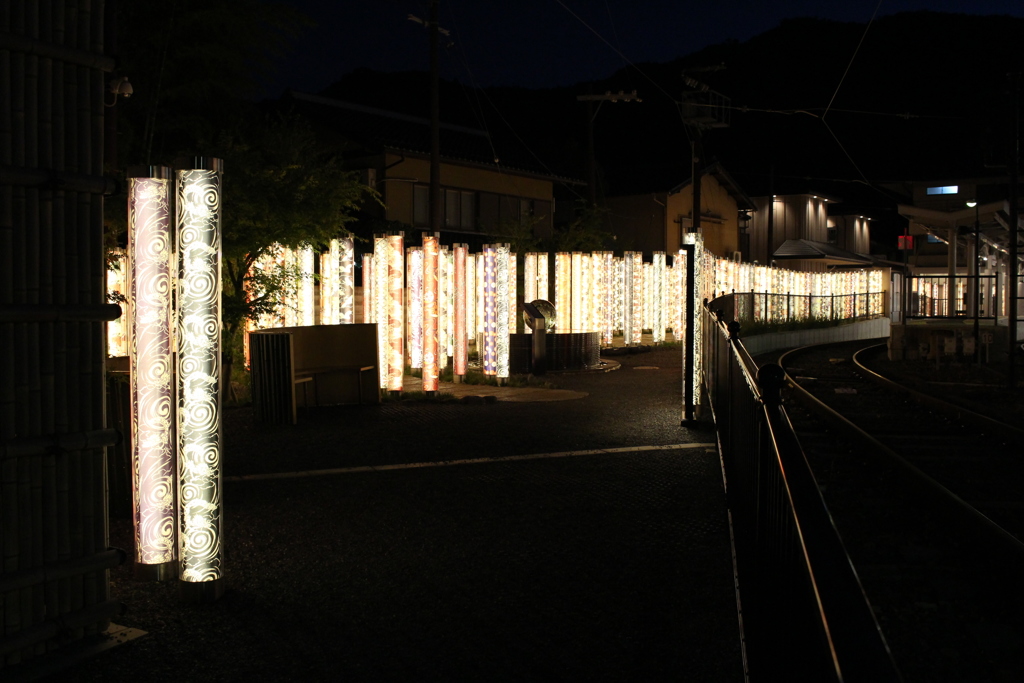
582, 539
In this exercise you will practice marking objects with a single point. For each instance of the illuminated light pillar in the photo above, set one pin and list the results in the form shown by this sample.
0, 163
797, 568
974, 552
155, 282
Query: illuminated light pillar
117, 282
367, 288
629, 325
415, 270
288, 296
396, 310
307, 295
502, 269
490, 351
576, 295
150, 255
481, 324
347, 281
381, 295
461, 352
329, 282
586, 295
449, 303
470, 296
618, 276
658, 314
442, 308
513, 291
542, 276
530, 277
201, 552
430, 258
563, 291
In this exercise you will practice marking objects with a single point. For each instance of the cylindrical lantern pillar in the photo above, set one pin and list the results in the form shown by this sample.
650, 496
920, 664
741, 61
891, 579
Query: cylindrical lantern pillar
461, 358
490, 351
503, 269
415, 269
395, 310
201, 549
431, 250
150, 255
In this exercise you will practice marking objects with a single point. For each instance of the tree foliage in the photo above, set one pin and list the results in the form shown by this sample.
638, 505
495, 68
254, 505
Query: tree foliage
195, 66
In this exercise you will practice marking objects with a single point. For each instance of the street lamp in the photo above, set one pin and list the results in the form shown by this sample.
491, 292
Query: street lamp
977, 282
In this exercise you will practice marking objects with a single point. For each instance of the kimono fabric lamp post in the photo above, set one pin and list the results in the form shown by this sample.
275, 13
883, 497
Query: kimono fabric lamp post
200, 522
150, 255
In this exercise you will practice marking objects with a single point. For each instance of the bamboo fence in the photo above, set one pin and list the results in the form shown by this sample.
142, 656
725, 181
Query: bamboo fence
54, 585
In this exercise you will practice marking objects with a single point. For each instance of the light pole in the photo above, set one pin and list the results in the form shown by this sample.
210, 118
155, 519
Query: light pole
977, 279
608, 96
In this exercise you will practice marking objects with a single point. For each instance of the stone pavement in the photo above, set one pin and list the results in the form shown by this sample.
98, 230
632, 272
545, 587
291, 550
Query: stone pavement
523, 540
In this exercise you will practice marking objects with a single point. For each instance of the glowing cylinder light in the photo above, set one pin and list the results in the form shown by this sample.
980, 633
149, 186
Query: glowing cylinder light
481, 324
576, 292
395, 311
449, 303
501, 294
380, 304
443, 311
367, 288
490, 354
415, 270
347, 281
542, 276
117, 283
306, 294
563, 291
149, 348
530, 277
471, 296
633, 302
430, 305
461, 352
658, 297
329, 285
513, 292
337, 285
199, 354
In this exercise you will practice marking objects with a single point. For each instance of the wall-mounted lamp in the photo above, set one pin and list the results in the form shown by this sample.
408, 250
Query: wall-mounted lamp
119, 86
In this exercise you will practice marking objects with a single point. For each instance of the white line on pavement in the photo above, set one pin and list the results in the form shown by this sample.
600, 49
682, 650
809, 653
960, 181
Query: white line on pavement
474, 461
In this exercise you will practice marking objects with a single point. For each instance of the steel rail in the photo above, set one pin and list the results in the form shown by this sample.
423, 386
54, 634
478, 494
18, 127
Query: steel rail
937, 404
946, 495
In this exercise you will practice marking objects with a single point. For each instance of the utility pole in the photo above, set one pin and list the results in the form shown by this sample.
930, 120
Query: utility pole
608, 96
700, 109
1013, 272
435, 121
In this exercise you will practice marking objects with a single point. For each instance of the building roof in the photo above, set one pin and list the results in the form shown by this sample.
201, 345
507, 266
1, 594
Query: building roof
820, 251
743, 202
375, 130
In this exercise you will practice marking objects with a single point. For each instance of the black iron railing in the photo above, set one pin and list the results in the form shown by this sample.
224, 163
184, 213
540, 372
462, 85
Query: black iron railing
805, 614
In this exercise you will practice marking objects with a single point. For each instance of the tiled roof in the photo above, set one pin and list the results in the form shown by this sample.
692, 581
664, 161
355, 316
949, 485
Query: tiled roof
373, 129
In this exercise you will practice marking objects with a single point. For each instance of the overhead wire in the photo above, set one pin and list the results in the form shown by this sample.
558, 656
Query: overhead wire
477, 91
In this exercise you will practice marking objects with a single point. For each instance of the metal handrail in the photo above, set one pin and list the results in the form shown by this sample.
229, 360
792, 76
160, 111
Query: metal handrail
804, 611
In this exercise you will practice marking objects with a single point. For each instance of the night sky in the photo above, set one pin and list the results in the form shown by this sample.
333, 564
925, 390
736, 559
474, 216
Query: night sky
549, 43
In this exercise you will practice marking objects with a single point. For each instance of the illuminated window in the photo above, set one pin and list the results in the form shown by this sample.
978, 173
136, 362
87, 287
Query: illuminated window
945, 189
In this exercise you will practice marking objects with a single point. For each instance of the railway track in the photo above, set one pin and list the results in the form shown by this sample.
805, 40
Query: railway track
927, 497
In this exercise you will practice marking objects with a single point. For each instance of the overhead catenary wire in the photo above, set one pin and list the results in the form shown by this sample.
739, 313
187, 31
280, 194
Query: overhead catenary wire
479, 113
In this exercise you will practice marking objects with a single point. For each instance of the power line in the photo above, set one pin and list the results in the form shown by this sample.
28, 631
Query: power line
853, 57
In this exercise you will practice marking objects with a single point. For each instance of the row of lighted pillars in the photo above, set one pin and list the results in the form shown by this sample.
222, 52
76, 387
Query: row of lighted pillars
175, 392
453, 296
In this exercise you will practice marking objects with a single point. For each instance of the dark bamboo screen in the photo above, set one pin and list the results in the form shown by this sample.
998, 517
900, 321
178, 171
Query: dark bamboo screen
53, 522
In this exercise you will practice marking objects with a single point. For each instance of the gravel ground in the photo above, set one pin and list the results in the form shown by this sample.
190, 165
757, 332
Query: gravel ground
607, 566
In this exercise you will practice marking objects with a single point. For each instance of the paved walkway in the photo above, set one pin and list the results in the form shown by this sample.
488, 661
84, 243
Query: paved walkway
572, 540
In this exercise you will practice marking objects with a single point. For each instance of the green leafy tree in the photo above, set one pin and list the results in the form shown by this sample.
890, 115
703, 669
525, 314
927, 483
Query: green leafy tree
282, 186
585, 233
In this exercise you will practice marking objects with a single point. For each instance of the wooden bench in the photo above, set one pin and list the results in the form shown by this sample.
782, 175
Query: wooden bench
321, 359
